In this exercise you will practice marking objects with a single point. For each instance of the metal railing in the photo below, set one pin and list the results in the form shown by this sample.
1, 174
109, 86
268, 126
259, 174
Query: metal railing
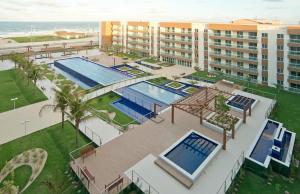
78, 170
140, 182
232, 173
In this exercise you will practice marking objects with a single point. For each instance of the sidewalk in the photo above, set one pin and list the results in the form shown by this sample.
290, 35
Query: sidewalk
11, 121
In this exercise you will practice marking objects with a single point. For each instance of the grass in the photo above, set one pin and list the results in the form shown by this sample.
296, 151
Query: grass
124, 68
104, 103
191, 90
127, 55
151, 60
286, 111
135, 72
24, 39
58, 143
13, 84
159, 81
204, 76
175, 85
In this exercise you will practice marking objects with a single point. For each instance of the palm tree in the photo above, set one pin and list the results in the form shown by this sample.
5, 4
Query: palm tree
55, 185
9, 187
29, 65
78, 110
14, 58
222, 108
61, 102
36, 74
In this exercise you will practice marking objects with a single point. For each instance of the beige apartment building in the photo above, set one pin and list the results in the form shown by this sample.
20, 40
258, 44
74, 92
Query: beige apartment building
262, 51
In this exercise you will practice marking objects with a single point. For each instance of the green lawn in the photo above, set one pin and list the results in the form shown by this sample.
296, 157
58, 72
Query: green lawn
166, 64
204, 76
191, 90
286, 111
23, 39
124, 68
159, 81
175, 85
151, 60
13, 84
58, 143
104, 103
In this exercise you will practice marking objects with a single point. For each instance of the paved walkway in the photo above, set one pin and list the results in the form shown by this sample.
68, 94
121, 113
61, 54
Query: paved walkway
11, 121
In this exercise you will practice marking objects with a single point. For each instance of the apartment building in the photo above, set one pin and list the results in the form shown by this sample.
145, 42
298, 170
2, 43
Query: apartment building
256, 50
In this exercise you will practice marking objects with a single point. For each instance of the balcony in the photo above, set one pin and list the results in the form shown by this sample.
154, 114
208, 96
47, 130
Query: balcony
177, 33
144, 36
232, 36
235, 57
235, 67
176, 56
294, 65
294, 41
234, 47
179, 40
294, 78
177, 48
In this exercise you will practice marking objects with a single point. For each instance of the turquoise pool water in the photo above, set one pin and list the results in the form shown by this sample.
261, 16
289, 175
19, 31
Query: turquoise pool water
89, 72
156, 93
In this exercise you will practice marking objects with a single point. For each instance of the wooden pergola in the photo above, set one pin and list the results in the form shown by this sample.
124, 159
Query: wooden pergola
49, 50
203, 103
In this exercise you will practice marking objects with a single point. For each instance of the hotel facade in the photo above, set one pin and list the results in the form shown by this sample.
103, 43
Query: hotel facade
257, 50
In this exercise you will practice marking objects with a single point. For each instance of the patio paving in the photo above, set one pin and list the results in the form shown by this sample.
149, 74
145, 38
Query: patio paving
118, 155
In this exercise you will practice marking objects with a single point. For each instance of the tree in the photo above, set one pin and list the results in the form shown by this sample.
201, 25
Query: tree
61, 102
28, 69
222, 108
56, 185
14, 58
36, 74
278, 87
9, 187
78, 110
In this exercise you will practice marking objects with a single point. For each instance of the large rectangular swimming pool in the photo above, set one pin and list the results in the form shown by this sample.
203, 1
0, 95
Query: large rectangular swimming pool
191, 154
89, 72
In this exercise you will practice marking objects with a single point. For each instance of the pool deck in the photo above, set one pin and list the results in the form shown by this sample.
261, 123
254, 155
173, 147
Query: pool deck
118, 155
138, 148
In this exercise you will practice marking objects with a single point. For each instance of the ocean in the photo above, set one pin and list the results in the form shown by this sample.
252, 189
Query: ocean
26, 28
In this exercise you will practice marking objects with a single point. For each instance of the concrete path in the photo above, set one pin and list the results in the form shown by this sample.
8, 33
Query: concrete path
13, 128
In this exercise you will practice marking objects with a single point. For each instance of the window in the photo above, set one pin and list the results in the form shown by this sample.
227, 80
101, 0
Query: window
265, 79
228, 72
279, 70
196, 38
252, 46
264, 46
280, 47
217, 33
280, 82
240, 54
252, 66
228, 43
240, 74
240, 34
265, 68
196, 30
252, 56
264, 35
264, 57
228, 62
252, 35
240, 44
280, 36
240, 64
228, 53
279, 59
228, 33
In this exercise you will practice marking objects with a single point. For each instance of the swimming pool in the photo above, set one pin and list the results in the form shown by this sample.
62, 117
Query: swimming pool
191, 153
274, 142
89, 72
238, 102
156, 92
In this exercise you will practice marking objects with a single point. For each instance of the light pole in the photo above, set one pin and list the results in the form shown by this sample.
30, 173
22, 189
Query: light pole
14, 99
25, 125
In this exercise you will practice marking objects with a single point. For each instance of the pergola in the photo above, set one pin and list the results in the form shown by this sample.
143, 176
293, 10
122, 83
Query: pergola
49, 50
203, 103
80, 47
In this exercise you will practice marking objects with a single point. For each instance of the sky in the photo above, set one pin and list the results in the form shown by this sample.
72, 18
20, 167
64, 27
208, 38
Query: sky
150, 10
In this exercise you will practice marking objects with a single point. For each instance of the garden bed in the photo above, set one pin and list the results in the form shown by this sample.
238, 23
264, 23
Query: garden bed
190, 90
175, 85
214, 121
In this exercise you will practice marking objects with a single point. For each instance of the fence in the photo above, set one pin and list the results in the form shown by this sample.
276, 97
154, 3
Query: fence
231, 175
90, 185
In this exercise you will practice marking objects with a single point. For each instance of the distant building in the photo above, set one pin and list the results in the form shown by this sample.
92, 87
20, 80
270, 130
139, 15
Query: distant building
267, 52
70, 35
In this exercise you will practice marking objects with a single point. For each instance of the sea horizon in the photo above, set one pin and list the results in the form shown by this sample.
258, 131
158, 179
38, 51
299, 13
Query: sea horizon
18, 28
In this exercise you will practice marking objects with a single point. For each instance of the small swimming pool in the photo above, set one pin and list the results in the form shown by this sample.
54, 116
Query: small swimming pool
238, 102
191, 153
274, 142
88, 72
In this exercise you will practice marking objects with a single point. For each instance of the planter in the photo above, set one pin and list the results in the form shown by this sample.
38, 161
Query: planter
217, 128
